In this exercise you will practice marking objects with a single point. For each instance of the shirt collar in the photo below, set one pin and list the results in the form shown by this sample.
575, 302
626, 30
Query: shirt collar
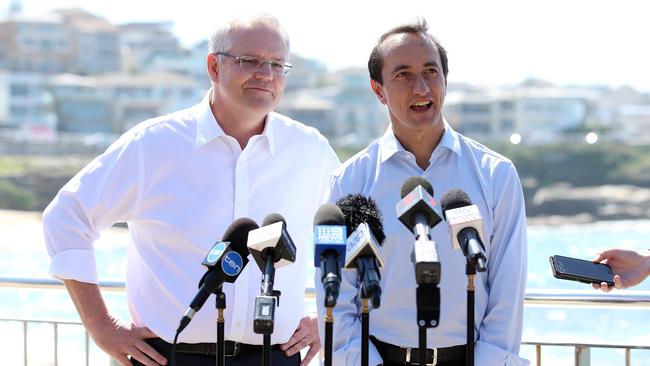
208, 128
389, 145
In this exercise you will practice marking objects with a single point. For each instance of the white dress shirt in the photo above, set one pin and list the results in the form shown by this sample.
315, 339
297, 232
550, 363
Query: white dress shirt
179, 181
492, 184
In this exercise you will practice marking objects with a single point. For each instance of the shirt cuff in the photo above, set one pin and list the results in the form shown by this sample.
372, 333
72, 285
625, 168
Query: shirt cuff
489, 354
75, 264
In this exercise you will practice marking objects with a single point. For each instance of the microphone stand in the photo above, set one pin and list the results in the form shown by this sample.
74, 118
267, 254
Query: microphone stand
365, 330
221, 305
329, 325
265, 306
428, 315
470, 271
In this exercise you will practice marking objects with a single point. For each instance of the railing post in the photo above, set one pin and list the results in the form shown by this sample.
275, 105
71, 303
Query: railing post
583, 356
627, 357
538, 354
25, 342
56, 344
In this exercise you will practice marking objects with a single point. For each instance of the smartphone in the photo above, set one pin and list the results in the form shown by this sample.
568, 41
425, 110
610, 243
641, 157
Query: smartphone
581, 270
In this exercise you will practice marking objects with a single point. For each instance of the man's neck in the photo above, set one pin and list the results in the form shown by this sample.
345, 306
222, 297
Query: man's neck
420, 142
240, 125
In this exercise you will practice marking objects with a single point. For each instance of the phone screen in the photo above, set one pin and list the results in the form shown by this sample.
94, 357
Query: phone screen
583, 269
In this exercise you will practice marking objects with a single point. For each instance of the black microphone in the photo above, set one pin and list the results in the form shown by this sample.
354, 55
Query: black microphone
329, 249
416, 210
466, 226
364, 223
224, 263
271, 247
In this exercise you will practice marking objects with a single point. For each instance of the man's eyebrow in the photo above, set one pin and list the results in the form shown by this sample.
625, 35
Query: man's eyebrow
400, 68
403, 67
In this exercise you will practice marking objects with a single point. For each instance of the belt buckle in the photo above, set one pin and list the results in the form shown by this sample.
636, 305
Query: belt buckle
235, 350
434, 362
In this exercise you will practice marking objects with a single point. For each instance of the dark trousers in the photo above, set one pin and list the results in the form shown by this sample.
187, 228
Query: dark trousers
450, 363
244, 359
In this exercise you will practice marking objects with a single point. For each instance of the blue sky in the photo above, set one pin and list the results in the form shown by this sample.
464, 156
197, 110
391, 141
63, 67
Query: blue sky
489, 42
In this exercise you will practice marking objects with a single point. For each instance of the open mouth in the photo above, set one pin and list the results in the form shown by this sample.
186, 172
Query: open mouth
421, 106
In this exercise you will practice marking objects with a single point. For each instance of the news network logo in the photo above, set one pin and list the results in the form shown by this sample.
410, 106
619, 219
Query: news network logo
215, 253
329, 234
232, 264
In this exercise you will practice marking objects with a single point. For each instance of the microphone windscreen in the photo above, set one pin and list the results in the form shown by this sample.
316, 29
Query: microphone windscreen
237, 235
454, 198
412, 183
329, 214
272, 219
358, 209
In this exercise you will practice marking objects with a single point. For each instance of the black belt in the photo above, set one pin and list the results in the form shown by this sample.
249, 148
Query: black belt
411, 356
209, 349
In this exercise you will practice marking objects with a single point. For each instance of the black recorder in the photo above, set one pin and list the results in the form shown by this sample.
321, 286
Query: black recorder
580, 270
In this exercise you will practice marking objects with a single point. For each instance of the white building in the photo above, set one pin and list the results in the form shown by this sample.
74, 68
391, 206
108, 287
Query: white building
25, 102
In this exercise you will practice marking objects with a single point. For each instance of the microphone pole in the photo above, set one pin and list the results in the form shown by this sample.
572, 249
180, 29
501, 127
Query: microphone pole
267, 290
464, 220
416, 211
221, 305
329, 253
470, 271
269, 245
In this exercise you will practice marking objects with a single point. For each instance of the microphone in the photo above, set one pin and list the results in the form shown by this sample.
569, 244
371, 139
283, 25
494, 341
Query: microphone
363, 220
224, 263
329, 249
466, 226
271, 247
416, 210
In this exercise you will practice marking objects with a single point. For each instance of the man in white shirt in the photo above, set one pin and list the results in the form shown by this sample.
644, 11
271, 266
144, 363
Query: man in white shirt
408, 71
179, 181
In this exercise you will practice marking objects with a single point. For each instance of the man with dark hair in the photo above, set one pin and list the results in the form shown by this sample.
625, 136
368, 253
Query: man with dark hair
179, 181
408, 70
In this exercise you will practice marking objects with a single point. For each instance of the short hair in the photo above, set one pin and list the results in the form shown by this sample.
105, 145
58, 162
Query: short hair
220, 40
376, 60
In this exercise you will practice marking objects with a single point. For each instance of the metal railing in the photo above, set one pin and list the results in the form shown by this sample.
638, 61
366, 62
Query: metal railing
626, 299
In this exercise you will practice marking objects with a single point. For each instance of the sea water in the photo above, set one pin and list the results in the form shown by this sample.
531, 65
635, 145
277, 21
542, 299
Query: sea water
22, 254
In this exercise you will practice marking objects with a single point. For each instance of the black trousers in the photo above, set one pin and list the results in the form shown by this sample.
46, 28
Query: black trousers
450, 363
243, 359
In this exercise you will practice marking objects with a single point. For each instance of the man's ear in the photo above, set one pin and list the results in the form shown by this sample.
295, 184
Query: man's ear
378, 89
213, 67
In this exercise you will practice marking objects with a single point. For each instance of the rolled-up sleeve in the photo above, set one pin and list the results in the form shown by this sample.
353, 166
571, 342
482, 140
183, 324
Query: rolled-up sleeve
106, 191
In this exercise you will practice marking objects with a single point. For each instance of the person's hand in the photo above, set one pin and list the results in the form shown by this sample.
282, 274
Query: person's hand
629, 267
306, 335
121, 340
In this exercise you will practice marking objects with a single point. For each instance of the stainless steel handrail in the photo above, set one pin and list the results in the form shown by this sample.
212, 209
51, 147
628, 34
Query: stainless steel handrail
534, 297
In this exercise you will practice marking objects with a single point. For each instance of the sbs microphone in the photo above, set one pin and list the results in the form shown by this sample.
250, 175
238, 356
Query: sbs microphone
416, 210
274, 240
466, 226
329, 249
364, 223
224, 262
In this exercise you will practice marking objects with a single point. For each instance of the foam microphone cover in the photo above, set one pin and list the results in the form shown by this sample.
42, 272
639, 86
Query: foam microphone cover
358, 209
412, 183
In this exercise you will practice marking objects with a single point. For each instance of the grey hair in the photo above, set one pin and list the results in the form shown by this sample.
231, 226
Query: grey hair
220, 40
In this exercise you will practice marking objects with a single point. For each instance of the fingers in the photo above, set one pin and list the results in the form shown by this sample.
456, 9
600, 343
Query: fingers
124, 361
141, 357
313, 351
299, 340
618, 282
141, 334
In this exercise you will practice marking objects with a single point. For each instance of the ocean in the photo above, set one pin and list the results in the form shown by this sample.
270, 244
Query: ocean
23, 255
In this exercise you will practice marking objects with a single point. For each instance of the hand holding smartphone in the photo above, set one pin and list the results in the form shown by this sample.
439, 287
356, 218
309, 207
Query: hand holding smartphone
573, 269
